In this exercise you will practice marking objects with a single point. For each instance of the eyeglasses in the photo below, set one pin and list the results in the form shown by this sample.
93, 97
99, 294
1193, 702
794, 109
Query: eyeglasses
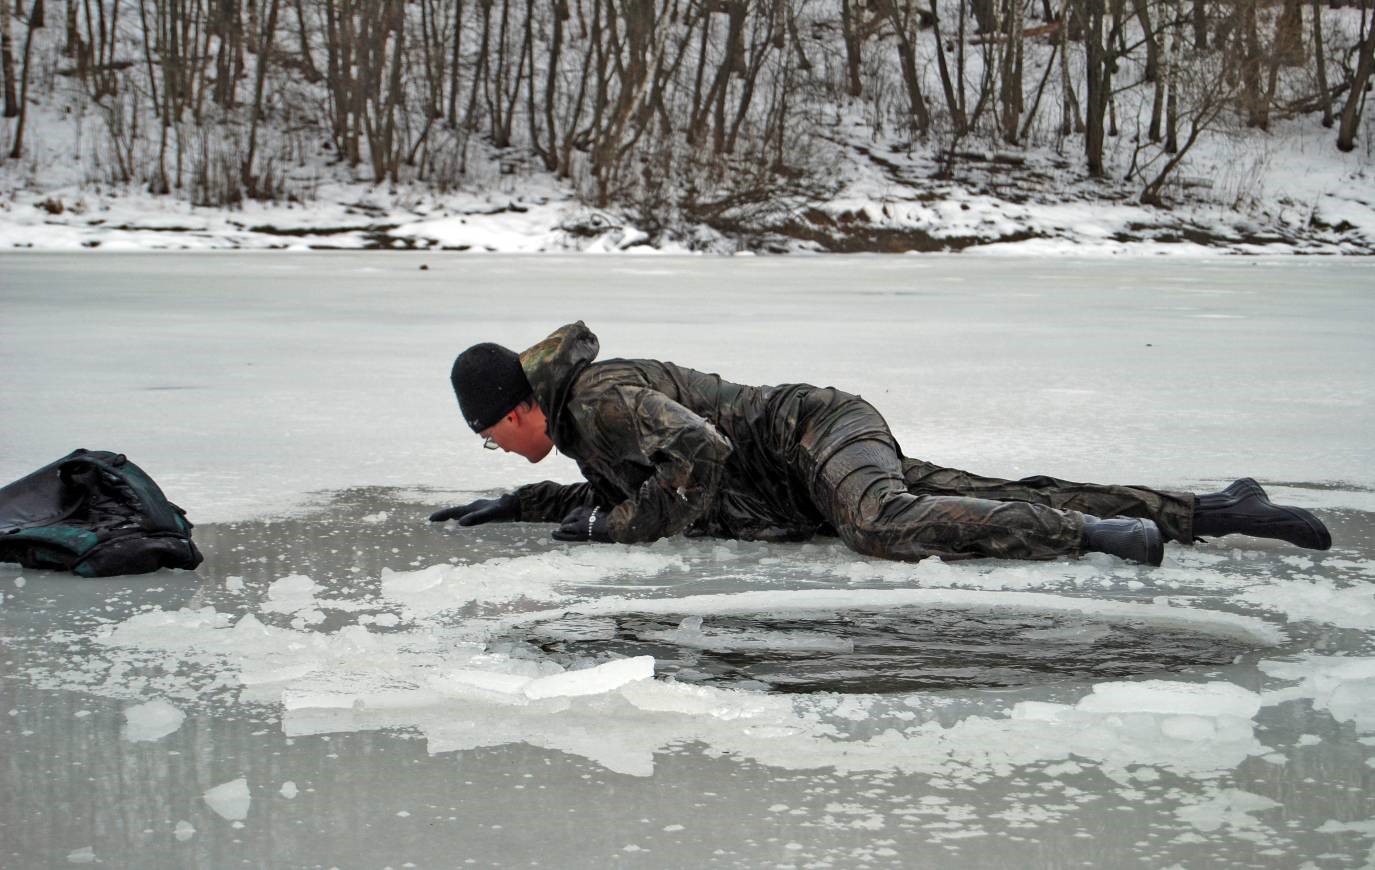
489, 444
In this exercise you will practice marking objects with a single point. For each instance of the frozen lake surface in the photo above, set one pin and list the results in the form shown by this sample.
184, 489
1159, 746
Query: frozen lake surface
344, 684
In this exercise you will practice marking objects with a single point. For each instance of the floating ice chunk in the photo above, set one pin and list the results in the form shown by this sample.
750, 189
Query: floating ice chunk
1342, 685
288, 790
1231, 807
536, 577
496, 682
379, 517
1186, 727
282, 674
1318, 601
233, 584
294, 593
302, 699
292, 586
400, 584
84, 855
1332, 826
592, 681
230, 800
1193, 728
19, 582
151, 721
1354, 701
249, 625
1165, 696
184, 831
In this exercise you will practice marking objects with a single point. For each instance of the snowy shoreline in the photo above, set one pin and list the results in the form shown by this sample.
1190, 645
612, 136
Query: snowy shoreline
875, 215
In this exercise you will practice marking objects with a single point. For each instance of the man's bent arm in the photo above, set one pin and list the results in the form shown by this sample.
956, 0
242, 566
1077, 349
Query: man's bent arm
687, 454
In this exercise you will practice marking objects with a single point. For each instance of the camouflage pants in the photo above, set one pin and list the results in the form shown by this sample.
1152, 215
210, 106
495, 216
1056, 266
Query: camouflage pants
884, 504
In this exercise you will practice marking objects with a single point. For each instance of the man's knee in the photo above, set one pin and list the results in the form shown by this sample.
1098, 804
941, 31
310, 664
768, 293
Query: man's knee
870, 536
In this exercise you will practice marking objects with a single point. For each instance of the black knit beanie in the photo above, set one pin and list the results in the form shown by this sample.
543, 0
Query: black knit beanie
489, 382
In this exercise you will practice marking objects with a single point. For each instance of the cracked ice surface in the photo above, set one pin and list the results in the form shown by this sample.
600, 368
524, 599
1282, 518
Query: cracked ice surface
421, 689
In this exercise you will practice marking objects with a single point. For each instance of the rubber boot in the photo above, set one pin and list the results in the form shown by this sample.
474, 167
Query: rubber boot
1244, 509
1132, 539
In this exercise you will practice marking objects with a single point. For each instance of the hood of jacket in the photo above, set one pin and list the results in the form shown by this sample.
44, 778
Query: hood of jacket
552, 365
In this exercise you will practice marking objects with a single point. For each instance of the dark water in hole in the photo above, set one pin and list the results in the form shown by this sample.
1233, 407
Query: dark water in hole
899, 650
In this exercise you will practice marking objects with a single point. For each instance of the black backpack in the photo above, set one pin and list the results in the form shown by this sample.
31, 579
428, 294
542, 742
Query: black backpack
93, 513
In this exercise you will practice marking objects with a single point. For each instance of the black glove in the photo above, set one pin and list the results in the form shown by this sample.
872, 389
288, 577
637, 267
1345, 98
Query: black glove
505, 509
585, 524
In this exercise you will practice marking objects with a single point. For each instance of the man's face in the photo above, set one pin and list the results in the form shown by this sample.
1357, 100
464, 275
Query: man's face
521, 432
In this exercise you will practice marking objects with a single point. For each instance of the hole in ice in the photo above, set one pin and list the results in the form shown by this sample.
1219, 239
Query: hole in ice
895, 650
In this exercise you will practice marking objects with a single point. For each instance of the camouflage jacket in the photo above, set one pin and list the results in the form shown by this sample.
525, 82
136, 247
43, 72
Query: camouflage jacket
669, 449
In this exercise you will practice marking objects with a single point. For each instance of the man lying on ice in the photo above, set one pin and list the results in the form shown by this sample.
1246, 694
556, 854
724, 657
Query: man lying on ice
665, 449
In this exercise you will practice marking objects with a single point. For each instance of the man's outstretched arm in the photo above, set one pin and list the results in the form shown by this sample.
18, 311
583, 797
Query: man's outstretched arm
544, 502
550, 502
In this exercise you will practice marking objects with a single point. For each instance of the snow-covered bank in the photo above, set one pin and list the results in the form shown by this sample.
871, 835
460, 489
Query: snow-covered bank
1287, 191
888, 204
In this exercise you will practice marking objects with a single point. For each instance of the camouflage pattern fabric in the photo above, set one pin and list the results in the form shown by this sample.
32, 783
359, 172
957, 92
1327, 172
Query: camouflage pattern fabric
671, 450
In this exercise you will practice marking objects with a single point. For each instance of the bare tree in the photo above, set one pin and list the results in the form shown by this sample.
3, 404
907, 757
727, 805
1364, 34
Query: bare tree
1355, 98
254, 181
903, 21
1202, 95
35, 22
7, 60
1010, 92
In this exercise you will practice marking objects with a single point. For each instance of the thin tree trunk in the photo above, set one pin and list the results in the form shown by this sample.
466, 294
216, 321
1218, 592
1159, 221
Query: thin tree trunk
480, 68
1250, 67
1154, 40
454, 63
1320, 64
35, 22
850, 31
1070, 119
1040, 89
1098, 83
953, 103
7, 60
1172, 81
907, 63
551, 83
250, 179
1011, 90
1351, 112
311, 72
